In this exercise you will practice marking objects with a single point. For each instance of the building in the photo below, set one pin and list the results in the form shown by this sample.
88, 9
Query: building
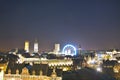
79, 50
37, 69
36, 47
113, 54
26, 46
26, 76
57, 48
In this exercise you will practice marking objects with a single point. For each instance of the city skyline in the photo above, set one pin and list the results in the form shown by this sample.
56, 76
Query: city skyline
92, 24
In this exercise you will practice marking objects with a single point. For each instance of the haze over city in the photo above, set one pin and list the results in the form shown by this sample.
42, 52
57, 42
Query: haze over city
94, 24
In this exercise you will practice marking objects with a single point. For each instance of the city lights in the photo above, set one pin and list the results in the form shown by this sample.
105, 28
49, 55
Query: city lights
60, 40
66, 63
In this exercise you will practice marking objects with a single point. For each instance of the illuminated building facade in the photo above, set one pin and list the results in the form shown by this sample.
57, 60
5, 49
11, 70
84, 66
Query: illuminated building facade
36, 47
25, 76
38, 69
1, 75
113, 54
26, 46
57, 48
3, 67
35, 65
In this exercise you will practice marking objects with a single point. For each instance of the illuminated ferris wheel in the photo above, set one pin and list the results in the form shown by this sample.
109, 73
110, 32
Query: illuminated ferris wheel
69, 50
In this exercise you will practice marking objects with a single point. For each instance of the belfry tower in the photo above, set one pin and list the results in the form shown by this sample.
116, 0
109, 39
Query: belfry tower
36, 46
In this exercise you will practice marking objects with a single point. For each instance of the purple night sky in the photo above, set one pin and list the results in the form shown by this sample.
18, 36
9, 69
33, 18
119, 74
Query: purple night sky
95, 24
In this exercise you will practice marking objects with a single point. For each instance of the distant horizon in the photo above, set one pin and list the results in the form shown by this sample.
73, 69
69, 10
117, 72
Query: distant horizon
52, 48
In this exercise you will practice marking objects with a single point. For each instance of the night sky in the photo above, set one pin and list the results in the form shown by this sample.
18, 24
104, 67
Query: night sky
94, 24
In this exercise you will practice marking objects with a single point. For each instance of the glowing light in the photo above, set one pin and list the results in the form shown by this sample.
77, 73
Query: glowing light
93, 61
1, 75
118, 61
116, 71
65, 69
99, 69
13, 78
71, 51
